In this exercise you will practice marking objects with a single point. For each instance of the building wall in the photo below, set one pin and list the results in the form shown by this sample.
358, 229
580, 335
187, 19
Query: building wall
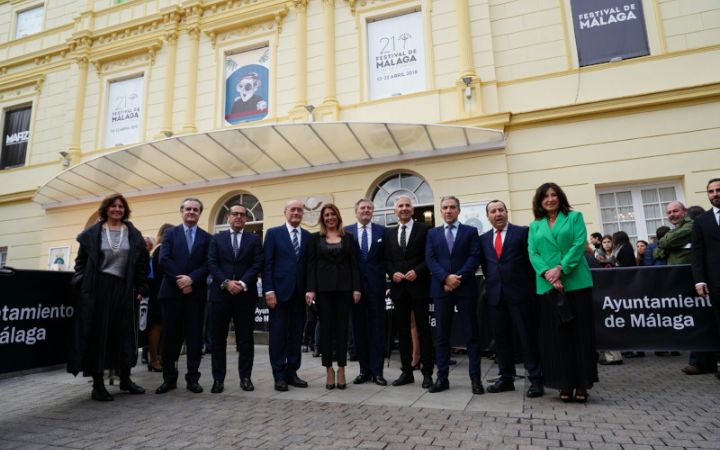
630, 122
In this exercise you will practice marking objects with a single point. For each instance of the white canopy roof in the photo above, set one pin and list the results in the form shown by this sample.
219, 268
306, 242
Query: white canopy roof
238, 155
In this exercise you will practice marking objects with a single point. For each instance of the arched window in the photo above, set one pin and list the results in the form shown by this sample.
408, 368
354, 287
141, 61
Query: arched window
254, 211
403, 184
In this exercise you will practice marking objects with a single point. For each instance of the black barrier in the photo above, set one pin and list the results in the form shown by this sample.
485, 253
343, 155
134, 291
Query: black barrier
652, 308
36, 316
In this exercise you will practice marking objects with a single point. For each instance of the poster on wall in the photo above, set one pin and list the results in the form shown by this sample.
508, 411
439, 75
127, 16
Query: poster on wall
396, 56
474, 214
609, 29
59, 259
16, 135
247, 76
125, 104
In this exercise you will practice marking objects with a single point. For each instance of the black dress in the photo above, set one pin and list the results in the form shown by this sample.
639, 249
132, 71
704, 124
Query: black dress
105, 333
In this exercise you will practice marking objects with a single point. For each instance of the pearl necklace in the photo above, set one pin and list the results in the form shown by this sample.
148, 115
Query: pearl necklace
114, 247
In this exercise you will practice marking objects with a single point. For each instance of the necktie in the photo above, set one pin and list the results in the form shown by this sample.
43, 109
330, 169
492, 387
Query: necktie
449, 238
235, 243
364, 242
189, 238
403, 238
498, 243
296, 242
718, 217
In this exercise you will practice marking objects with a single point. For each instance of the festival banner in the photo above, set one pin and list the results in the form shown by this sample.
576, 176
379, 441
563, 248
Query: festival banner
124, 115
396, 56
16, 135
609, 29
247, 79
652, 308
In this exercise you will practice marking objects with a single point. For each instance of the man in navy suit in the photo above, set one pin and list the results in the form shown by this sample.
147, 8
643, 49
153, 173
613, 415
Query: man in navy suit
183, 292
510, 291
235, 260
284, 279
368, 315
706, 250
452, 254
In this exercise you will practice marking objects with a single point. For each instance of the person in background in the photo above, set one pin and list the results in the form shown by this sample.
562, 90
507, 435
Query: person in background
154, 306
649, 259
640, 249
596, 240
333, 282
604, 254
111, 274
556, 243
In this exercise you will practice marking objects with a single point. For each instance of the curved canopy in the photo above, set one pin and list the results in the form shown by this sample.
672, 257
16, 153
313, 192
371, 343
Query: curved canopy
239, 155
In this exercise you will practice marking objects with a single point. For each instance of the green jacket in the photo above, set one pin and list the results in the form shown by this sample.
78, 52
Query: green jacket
563, 244
675, 245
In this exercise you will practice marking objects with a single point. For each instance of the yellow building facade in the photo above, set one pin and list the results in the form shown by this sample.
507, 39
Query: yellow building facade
150, 98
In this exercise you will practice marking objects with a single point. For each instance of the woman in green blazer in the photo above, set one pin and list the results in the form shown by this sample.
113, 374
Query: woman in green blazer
567, 335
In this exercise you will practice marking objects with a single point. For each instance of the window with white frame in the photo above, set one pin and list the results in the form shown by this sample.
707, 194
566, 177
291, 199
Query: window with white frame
637, 209
29, 21
3, 256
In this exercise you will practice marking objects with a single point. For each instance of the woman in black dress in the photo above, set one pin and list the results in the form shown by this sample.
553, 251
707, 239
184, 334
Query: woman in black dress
333, 282
111, 272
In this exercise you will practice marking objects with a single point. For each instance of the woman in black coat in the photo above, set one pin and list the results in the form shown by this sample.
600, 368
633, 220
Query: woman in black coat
333, 281
111, 272
622, 250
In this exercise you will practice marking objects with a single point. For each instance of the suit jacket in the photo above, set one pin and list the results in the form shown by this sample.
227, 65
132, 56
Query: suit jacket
176, 260
224, 265
563, 244
706, 250
464, 260
329, 271
372, 269
510, 278
283, 272
412, 259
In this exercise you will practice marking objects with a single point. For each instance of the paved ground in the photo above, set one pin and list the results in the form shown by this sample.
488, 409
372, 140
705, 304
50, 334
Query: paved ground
645, 403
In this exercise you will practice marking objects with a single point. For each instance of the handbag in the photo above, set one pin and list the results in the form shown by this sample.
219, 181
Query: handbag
562, 307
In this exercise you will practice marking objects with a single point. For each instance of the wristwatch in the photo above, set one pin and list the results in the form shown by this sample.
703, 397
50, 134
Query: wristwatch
224, 284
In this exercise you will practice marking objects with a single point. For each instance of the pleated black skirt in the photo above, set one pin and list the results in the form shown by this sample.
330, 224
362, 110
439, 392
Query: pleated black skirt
567, 350
113, 336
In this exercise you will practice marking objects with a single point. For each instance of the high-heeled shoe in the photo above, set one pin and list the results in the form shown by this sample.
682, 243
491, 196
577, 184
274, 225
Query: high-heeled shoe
566, 396
330, 376
152, 368
341, 376
581, 396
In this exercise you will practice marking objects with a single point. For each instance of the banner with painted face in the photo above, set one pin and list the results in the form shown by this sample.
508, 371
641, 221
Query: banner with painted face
247, 76
609, 29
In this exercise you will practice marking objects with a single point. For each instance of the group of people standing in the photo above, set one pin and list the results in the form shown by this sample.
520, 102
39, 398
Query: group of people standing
538, 290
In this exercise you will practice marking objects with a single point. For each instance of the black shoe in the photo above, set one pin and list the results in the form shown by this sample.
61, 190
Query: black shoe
218, 387
477, 387
101, 394
341, 386
404, 378
427, 381
536, 390
615, 362
316, 353
380, 380
281, 386
166, 387
246, 384
501, 386
294, 380
194, 387
351, 357
132, 388
452, 362
439, 386
362, 378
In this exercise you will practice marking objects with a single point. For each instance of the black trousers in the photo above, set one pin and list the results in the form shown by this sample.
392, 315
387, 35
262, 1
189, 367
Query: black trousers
242, 312
510, 321
182, 318
404, 305
334, 310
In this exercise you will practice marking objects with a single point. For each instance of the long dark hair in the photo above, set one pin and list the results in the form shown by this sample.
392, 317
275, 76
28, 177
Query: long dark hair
109, 200
538, 211
321, 222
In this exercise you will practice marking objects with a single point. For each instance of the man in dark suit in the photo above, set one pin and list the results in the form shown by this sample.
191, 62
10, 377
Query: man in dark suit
235, 260
183, 292
405, 265
368, 315
706, 250
284, 280
452, 254
510, 291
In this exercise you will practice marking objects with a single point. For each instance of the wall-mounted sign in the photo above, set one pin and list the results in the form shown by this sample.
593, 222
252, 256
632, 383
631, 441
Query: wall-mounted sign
247, 76
124, 116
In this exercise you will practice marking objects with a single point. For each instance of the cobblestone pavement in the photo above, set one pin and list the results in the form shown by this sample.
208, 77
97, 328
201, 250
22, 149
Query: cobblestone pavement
645, 403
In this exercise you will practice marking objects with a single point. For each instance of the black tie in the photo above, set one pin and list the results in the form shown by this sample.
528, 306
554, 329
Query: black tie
235, 243
403, 238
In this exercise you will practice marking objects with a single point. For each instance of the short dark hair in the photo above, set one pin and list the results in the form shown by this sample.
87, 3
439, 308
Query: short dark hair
694, 211
712, 180
661, 231
487, 207
109, 200
596, 235
191, 199
540, 192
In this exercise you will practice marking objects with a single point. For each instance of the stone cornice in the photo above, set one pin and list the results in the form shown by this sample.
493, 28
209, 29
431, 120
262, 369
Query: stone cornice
272, 12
